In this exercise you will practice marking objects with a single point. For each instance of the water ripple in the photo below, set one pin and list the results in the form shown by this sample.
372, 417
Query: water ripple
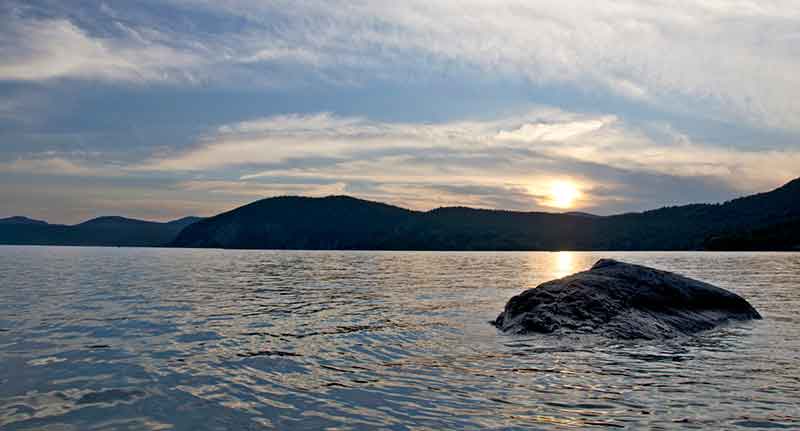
210, 339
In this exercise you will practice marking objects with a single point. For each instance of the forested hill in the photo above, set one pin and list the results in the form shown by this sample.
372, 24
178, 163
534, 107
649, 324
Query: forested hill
101, 231
765, 221
341, 222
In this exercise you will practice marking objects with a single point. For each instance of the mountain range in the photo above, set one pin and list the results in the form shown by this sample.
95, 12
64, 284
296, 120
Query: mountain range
765, 221
101, 231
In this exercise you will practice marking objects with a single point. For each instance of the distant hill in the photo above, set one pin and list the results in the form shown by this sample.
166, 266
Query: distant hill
341, 222
765, 221
336, 222
101, 231
21, 220
184, 221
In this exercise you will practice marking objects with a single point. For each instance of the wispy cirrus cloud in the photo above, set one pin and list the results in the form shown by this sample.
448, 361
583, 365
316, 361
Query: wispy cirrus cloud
558, 132
735, 61
41, 49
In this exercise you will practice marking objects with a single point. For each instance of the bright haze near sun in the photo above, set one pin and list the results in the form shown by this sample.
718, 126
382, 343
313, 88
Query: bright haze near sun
163, 109
563, 194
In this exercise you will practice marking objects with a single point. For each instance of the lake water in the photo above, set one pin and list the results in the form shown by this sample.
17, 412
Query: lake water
115, 338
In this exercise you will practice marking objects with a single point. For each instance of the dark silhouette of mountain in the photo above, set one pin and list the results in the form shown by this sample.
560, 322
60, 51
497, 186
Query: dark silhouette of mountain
579, 213
780, 237
21, 220
765, 221
336, 222
101, 231
185, 221
341, 222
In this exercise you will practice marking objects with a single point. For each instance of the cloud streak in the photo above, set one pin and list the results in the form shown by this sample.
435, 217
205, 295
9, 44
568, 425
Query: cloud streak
45, 49
508, 163
517, 156
735, 61
519, 153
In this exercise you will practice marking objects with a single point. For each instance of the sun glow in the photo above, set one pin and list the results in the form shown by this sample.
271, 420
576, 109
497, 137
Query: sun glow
563, 194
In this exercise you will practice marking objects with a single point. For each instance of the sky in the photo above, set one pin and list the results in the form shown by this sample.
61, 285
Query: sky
162, 109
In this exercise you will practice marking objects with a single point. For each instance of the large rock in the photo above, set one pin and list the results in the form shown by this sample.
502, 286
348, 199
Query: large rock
622, 300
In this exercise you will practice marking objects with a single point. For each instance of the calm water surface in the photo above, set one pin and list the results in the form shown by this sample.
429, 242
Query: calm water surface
107, 338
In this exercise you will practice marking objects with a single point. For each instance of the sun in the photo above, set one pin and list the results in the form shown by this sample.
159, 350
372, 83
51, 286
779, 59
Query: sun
563, 194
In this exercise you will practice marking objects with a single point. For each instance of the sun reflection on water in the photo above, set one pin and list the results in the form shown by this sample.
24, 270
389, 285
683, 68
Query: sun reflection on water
564, 264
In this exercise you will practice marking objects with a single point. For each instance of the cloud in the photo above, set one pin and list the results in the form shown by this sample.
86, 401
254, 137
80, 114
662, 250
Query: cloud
67, 164
355, 144
280, 138
508, 162
425, 165
733, 61
259, 190
517, 157
715, 59
553, 132
50, 166
650, 98
41, 49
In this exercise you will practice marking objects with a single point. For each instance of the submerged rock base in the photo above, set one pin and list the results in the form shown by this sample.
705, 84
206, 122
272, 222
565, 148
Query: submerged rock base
623, 300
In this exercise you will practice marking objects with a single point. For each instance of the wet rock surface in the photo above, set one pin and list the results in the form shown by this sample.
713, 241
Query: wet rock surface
623, 300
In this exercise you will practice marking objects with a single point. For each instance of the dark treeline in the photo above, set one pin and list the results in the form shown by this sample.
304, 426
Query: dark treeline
102, 231
766, 221
341, 222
